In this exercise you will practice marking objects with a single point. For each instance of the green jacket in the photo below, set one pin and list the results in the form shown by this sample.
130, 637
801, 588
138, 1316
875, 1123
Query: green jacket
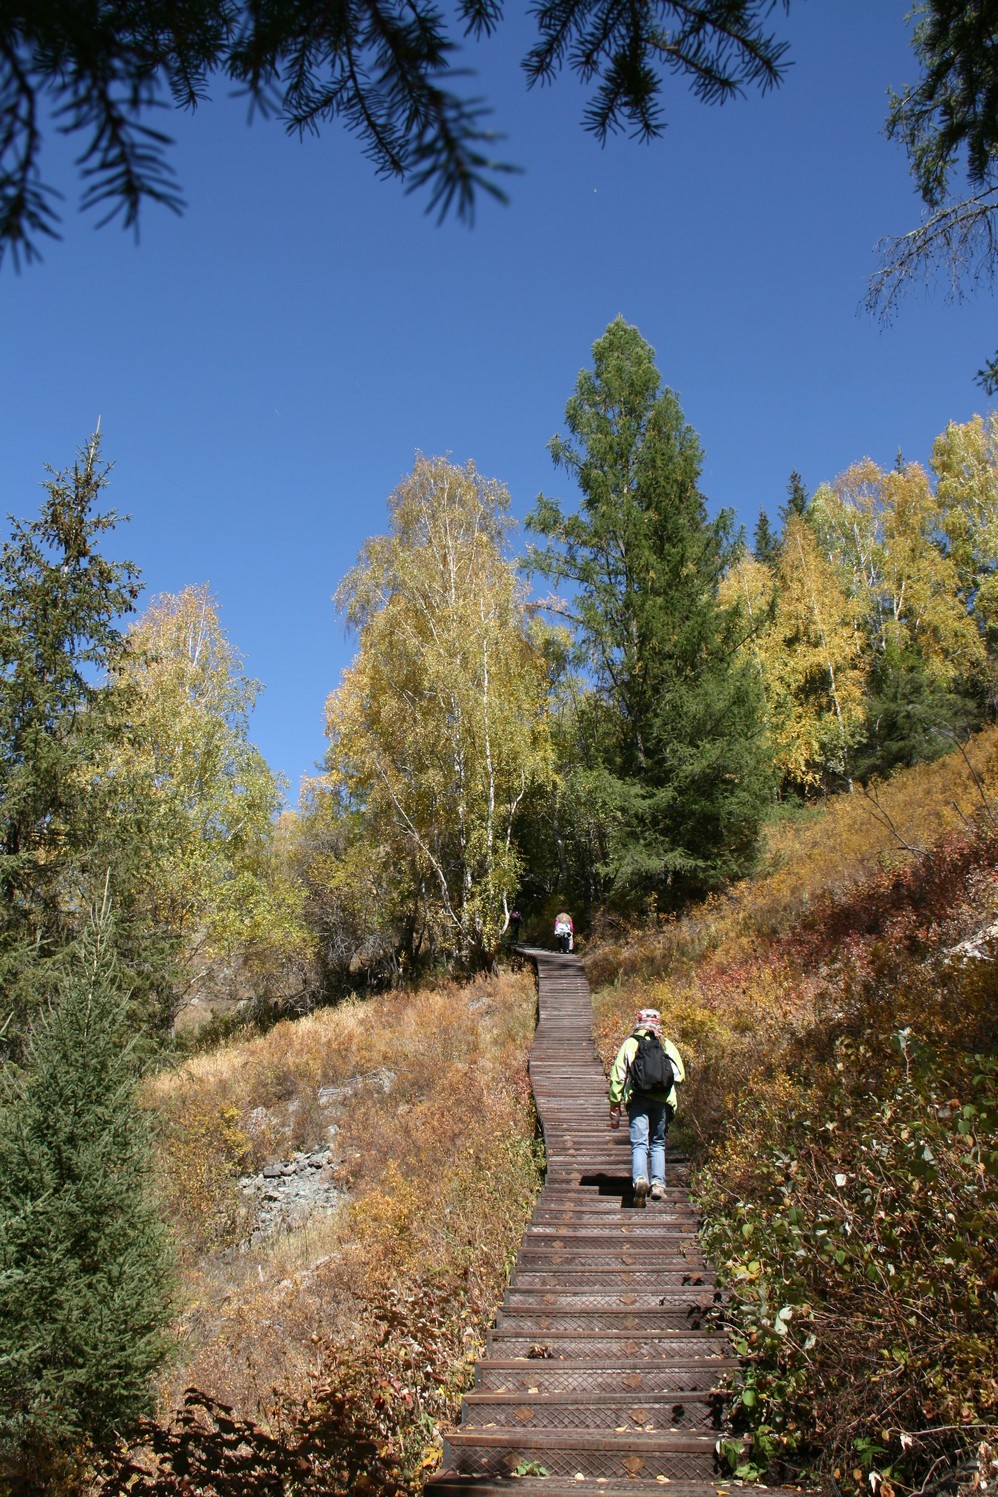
620, 1088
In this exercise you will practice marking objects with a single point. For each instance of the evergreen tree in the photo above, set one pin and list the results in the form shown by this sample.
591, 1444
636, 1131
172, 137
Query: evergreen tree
765, 546
84, 1269
685, 775
382, 70
911, 715
948, 124
797, 500
60, 605
562, 827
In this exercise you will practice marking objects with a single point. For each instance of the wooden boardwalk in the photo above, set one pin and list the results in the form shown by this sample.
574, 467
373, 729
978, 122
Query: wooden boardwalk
600, 1370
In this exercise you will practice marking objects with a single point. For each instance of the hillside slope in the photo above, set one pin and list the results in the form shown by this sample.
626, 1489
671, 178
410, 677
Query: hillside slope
348, 1191
840, 1013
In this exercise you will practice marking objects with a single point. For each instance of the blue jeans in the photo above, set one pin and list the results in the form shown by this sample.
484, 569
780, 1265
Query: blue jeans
648, 1120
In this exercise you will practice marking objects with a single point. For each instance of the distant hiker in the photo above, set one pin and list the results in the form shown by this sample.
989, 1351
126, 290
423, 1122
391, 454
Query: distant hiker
564, 931
644, 1078
514, 925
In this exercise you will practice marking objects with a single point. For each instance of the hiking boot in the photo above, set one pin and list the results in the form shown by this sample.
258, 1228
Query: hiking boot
640, 1191
657, 1191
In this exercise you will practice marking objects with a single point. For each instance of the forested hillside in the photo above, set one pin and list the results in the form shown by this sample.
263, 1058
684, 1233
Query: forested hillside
762, 774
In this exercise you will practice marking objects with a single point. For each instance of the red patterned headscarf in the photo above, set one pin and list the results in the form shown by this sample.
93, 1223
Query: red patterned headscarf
649, 1018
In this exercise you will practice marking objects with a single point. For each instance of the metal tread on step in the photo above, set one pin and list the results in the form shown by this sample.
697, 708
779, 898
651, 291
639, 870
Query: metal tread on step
589, 1454
590, 1410
603, 1372
581, 1486
680, 1375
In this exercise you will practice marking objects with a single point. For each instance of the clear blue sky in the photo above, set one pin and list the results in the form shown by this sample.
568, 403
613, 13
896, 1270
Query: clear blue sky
266, 367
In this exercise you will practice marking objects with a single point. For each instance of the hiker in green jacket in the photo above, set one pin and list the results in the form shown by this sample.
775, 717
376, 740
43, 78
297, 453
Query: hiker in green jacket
644, 1078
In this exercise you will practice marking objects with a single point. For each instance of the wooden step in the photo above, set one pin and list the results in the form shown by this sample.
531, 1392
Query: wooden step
447, 1485
609, 1320
669, 1300
679, 1372
572, 1453
592, 1409
569, 1277
679, 1247
647, 1344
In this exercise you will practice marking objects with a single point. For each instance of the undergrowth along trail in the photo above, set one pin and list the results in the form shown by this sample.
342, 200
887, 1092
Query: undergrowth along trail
840, 1013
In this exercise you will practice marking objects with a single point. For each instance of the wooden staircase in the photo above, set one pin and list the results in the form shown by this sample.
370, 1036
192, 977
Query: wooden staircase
601, 1372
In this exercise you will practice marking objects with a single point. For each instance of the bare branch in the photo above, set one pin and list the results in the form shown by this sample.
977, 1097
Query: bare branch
885, 820
989, 811
959, 241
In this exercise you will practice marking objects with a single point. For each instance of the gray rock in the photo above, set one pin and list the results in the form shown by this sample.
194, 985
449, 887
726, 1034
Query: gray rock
284, 1195
383, 1079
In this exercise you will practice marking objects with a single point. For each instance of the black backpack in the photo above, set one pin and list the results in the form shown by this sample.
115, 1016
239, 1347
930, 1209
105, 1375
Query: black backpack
651, 1068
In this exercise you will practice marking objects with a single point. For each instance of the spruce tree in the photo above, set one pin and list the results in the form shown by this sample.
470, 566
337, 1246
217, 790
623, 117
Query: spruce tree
685, 770
911, 716
62, 605
765, 546
380, 69
85, 1290
797, 500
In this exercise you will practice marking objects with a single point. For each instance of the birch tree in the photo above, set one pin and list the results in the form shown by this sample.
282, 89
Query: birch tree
803, 640
926, 660
201, 797
439, 729
965, 461
816, 665
883, 530
751, 586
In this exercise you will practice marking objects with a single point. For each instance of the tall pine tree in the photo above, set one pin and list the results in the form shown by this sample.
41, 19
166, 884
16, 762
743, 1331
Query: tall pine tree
61, 640
685, 770
797, 500
765, 545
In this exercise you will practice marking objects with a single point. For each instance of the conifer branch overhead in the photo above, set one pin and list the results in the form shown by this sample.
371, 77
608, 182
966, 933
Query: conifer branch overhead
386, 69
948, 123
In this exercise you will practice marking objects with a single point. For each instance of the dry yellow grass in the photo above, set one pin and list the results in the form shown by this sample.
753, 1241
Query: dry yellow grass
432, 1129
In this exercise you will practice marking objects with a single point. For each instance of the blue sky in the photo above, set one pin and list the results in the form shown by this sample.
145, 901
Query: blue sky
266, 367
